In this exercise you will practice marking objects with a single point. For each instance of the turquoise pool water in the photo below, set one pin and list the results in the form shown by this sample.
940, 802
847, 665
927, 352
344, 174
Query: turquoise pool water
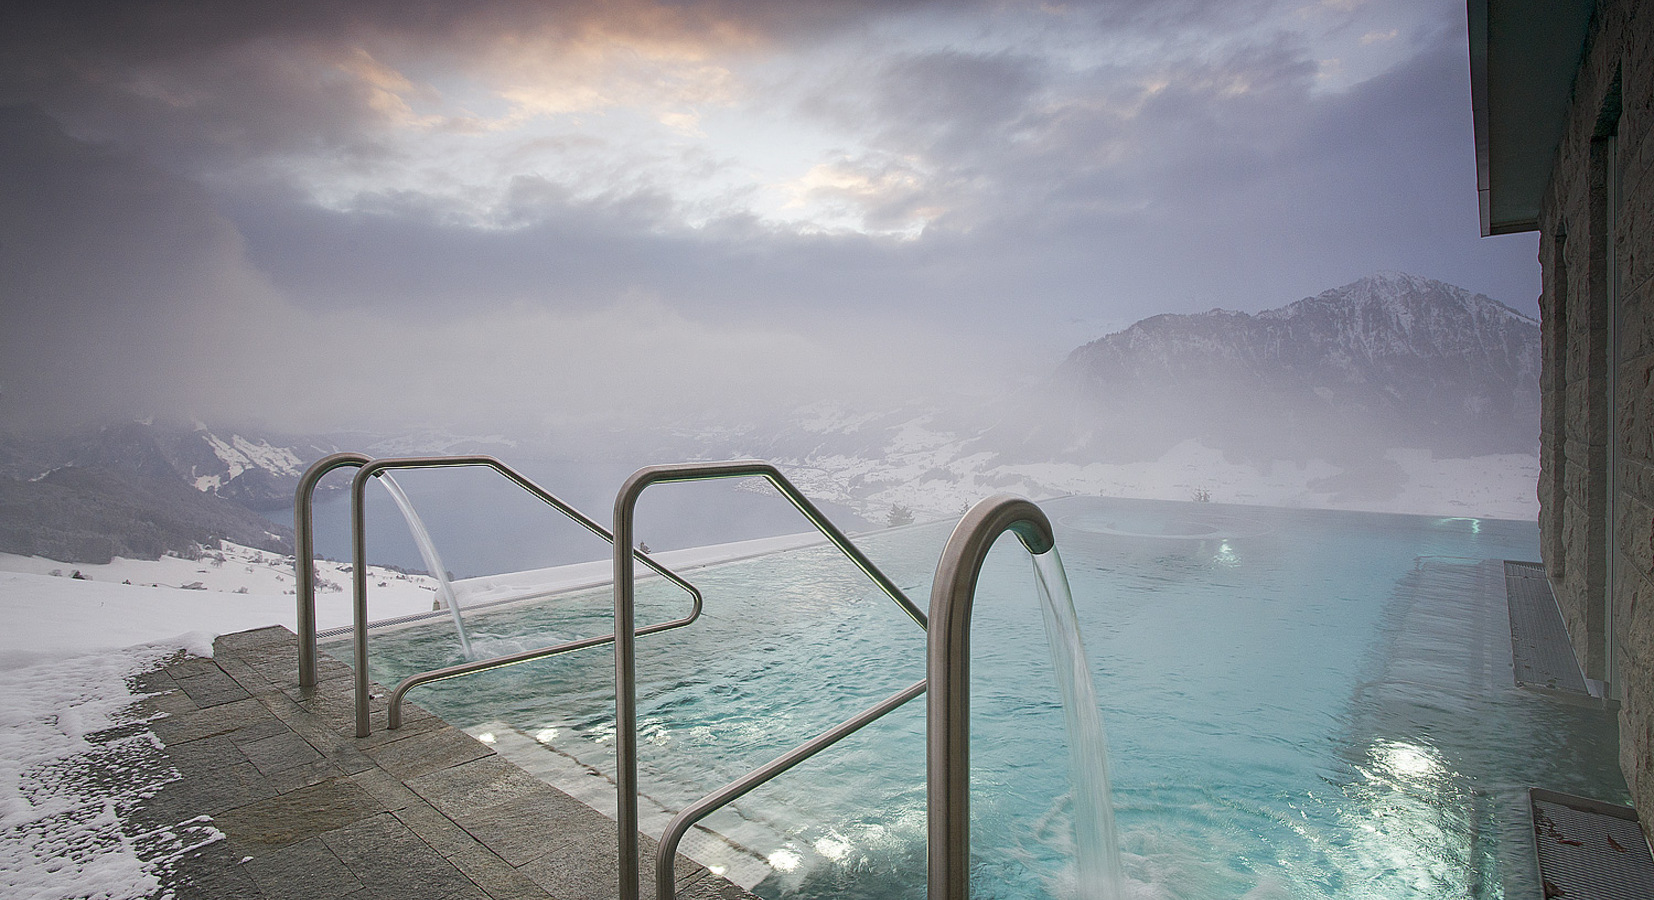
1299, 704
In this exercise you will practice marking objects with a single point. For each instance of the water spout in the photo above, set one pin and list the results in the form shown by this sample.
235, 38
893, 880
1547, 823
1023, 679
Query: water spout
427, 551
1096, 846
947, 726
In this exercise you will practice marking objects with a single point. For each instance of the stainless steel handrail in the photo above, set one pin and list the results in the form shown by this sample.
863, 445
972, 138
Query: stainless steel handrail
626, 813
394, 714
667, 852
359, 552
304, 557
947, 671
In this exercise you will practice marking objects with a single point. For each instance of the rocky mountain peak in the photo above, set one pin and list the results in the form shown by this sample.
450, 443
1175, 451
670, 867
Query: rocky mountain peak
1392, 357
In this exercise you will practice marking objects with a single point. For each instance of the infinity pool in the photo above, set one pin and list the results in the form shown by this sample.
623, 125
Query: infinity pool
1299, 704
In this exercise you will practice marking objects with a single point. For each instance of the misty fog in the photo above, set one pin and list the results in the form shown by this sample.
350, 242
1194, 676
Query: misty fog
861, 242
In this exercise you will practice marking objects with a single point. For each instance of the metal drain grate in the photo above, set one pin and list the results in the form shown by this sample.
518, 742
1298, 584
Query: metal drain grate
1538, 640
1589, 850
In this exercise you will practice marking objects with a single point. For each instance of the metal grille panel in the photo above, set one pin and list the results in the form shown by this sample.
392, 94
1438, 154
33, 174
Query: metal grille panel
1538, 640
1590, 850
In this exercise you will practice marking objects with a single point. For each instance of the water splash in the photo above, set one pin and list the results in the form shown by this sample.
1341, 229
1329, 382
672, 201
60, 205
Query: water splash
1096, 847
427, 551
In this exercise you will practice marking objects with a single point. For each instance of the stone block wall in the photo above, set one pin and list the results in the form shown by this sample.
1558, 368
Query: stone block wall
1613, 91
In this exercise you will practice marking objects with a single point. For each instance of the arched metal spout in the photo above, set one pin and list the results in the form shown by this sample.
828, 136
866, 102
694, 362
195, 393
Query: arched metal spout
948, 673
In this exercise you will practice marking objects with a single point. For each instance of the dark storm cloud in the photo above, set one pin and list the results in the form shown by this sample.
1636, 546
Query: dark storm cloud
127, 294
1190, 197
1233, 183
119, 281
160, 224
204, 83
955, 103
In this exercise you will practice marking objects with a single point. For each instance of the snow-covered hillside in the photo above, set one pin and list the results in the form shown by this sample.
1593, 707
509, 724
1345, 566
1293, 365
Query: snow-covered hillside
1388, 361
54, 606
258, 471
935, 483
1391, 394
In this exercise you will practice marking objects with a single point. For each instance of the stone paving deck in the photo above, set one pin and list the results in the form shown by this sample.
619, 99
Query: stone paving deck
308, 810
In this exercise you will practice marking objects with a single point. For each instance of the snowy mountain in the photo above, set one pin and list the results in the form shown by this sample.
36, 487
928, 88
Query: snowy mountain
1393, 393
255, 471
1388, 361
1364, 393
141, 489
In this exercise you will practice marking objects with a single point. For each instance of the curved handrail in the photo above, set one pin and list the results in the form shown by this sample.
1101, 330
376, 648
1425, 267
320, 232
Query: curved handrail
359, 575
666, 852
393, 718
626, 814
304, 557
947, 670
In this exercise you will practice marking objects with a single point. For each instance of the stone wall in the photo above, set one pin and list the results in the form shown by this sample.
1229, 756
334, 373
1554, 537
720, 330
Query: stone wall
1613, 93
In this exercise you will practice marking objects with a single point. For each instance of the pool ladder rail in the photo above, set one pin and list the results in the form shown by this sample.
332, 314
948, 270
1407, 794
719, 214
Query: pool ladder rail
947, 666
626, 788
304, 562
947, 671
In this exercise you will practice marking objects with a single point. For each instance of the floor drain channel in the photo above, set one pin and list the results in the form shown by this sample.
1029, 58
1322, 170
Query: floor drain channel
1589, 850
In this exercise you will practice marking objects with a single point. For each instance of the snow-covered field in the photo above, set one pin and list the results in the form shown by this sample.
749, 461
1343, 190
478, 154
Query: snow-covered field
926, 472
129, 601
52, 613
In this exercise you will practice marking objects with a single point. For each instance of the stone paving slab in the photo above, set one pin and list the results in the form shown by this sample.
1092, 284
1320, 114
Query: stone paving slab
266, 793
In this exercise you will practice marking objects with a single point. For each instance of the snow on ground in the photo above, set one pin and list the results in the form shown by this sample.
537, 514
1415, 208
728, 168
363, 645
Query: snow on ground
55, 618
241, 455
926, 479
128, 601
60, 835
232, 568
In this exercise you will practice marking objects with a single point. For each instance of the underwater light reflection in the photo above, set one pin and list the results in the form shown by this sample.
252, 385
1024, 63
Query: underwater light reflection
1407, 762
1413, 813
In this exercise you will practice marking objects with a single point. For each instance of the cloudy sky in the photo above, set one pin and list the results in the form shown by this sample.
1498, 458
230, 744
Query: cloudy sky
500, 213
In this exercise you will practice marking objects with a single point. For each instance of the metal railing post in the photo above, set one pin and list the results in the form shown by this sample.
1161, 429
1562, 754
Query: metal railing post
304, 557
359, 592
947, 672
626, 814
359, 580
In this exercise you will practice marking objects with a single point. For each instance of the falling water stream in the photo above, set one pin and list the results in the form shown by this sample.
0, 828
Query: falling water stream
1096, 847
427, 551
